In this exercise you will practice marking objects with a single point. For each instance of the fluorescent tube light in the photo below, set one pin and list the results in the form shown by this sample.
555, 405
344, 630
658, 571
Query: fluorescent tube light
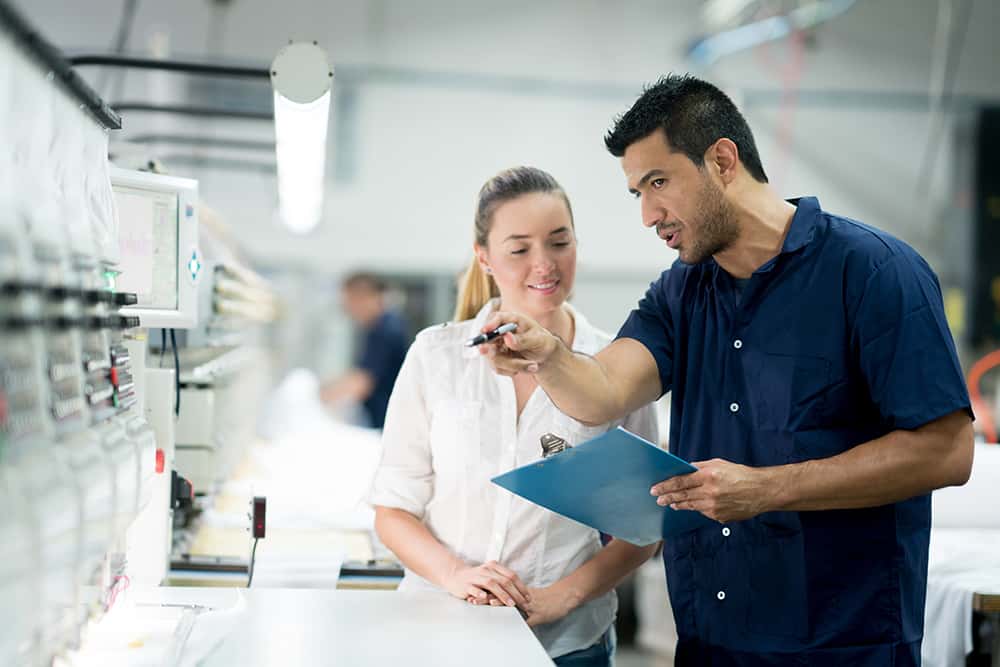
301, 77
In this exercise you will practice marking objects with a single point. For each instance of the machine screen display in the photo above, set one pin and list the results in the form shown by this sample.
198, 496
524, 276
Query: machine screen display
148, 243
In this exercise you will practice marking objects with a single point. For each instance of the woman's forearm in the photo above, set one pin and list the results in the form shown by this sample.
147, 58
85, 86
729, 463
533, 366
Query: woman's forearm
415, 546
604, 571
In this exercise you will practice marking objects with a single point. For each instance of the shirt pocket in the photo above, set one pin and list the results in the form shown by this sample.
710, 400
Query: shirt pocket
778, 601
455, 442
789, 392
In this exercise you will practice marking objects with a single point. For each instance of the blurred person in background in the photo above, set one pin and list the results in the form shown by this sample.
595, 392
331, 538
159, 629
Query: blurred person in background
452, 424
383, 344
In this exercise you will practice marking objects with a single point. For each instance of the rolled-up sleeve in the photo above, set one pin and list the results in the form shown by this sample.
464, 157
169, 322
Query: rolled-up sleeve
906, 352
405, 476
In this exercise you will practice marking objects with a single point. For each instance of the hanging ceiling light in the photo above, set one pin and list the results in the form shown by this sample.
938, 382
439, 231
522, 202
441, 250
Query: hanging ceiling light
301, 77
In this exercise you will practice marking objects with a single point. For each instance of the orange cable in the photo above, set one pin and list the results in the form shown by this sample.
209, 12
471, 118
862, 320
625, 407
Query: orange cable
983, 413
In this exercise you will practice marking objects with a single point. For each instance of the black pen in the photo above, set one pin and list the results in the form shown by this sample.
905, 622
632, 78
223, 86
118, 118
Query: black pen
490, 335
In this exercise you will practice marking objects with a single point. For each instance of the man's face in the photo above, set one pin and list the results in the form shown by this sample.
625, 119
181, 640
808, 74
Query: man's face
679, 199
360, 303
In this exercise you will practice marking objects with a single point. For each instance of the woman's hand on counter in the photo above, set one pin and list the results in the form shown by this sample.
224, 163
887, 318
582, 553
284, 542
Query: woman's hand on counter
477, 584
549, 604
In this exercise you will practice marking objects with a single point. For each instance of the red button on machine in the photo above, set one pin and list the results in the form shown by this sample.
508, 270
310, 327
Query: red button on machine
114, 376
160, 461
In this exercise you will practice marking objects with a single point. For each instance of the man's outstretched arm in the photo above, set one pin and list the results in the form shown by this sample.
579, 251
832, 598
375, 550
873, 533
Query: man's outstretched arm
616, 381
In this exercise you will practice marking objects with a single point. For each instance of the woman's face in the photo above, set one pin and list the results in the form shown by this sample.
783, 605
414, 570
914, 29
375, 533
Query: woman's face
531, 252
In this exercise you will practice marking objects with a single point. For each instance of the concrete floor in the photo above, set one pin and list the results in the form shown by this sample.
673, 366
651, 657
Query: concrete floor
629, 656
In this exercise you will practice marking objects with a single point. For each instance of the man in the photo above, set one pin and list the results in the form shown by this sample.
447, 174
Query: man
382, 348
815, 386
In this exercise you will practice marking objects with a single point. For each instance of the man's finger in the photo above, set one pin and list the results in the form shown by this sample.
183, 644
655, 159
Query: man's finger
512, 341
510, 365
679, 483
500, 318
686, 495
702, 506
492, 322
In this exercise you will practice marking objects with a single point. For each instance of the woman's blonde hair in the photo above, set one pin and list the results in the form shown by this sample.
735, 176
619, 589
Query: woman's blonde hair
475, 287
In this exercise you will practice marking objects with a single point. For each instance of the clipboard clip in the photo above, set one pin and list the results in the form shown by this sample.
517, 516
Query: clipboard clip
552, 444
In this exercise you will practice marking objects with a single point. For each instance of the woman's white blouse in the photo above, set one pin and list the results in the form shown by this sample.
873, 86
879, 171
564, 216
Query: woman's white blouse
451, 425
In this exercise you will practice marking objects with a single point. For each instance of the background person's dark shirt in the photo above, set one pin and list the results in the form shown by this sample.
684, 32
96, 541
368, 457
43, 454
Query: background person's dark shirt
382, 350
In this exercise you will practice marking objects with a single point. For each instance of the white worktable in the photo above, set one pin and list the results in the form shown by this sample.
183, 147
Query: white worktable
346, 627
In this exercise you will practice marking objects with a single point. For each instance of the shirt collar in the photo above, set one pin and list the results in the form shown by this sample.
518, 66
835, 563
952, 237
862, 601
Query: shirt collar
800, 234
803, 226
585, 338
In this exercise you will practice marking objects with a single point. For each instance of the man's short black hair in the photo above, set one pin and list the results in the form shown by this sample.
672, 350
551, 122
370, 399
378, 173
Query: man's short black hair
694, 114
366, 280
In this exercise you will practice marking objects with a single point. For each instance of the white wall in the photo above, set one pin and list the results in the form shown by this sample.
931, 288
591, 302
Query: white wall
422, 146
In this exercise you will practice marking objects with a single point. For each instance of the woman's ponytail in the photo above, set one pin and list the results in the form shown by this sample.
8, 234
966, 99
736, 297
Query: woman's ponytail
474, 291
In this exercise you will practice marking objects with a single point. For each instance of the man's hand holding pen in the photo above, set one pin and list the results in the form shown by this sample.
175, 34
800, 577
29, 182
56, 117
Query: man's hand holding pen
522, 352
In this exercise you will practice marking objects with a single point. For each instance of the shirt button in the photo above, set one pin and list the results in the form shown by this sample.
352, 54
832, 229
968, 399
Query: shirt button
737, 343
734, 407
726, 531
721, 595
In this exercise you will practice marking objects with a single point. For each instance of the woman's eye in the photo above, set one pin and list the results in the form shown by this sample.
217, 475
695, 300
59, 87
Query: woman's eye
518, 252
561, 244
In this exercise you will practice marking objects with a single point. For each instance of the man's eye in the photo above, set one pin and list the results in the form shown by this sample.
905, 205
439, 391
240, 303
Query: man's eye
659, 183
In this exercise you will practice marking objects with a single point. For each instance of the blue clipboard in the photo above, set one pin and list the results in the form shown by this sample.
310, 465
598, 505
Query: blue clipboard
604, 483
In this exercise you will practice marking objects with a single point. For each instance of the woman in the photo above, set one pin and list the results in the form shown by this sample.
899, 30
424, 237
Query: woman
452, 424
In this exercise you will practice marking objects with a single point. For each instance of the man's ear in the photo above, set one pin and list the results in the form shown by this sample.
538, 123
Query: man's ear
724, 158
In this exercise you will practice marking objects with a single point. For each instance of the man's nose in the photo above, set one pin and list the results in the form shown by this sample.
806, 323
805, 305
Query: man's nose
652, 213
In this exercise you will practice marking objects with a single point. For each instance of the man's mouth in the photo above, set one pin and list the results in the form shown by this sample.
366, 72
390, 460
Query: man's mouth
671, 236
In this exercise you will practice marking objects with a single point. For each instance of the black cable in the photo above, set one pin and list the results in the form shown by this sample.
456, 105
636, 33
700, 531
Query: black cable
185, 66
163, 345
194, 110
177, 373
53, 61
253, 557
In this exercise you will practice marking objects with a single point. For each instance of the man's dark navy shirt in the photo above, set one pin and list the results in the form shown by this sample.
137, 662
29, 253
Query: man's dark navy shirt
383, 348
839, 339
